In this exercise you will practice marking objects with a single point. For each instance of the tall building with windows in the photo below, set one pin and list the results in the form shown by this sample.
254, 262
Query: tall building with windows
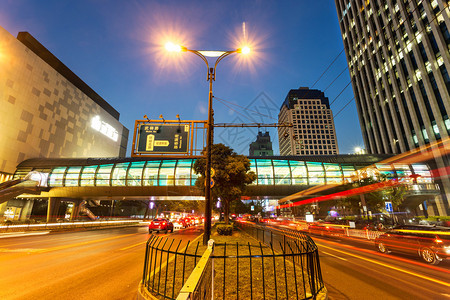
47, 111
262, 146
312, 131
399, 63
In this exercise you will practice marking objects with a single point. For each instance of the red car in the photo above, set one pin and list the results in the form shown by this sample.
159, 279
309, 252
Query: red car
181, 222
159, 225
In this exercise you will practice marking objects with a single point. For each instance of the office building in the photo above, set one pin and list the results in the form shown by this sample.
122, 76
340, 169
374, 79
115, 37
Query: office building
262, 146
46, 111
312, 131
399, 63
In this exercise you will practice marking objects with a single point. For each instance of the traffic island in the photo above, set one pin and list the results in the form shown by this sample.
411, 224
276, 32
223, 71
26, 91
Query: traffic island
237, 266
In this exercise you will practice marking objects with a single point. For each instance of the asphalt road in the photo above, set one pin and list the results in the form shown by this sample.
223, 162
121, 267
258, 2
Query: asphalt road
98, 264
353, 269
108, 263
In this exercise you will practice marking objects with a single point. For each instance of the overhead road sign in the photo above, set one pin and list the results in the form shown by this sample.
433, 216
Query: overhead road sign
174, 138
163, 138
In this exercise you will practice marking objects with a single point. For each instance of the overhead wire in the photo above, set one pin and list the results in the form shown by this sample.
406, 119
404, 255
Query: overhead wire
335, 79
329, 66
233, 109
232, 103
223, 101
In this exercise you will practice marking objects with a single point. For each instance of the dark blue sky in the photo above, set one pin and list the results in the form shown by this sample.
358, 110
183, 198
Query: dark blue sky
116, 47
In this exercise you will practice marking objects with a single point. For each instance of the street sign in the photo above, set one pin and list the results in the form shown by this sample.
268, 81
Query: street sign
212, 183
162, 138
388, 206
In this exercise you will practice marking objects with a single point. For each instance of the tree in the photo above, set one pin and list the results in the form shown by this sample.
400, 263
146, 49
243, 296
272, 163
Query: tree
374, 200
232, 175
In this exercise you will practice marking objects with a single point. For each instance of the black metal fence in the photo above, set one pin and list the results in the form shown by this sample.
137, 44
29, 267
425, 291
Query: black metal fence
296, 247
282, 265
168, 264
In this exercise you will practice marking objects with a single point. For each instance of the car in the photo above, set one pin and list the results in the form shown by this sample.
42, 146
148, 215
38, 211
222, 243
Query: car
431, 243
160, 225
181, 223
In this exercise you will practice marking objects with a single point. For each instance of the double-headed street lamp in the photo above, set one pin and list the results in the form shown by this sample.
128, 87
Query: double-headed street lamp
210, 125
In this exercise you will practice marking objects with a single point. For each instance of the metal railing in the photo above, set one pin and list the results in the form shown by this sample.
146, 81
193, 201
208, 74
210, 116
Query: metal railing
298, 248
283, 265
25, 226
168, 265
363, 233
200, 284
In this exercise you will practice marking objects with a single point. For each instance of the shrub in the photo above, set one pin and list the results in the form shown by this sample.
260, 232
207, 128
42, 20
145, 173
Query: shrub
224, 229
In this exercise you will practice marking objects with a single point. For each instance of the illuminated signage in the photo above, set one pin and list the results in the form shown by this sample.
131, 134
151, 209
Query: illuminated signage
163, 138
104, 128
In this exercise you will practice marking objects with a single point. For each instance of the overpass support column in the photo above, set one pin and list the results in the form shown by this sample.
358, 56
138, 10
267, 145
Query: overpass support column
75, 210
26, 210
52, 209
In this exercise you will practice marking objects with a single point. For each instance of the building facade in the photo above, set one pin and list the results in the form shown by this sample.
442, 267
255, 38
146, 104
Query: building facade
399, 63
262, 146
312, 131
46, 111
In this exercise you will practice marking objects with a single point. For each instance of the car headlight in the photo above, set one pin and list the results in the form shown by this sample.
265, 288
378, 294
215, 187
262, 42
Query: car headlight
447, 249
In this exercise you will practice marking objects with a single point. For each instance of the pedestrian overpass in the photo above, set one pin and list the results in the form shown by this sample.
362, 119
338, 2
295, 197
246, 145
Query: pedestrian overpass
137, 178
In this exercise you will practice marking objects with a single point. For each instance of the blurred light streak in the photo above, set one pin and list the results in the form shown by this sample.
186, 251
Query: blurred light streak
417, 263
310, 191
347, 193
21, 234
420, 154
440, 173
392, 267
423, 153
424, 231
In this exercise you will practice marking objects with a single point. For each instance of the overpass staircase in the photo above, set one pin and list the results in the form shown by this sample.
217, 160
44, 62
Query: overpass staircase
13, 188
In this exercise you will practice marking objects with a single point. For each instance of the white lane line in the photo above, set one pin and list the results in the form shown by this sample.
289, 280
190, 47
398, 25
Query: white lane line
19, 234
333, 255
19, 250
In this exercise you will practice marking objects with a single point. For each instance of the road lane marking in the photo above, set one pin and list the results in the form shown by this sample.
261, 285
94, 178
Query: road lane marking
21, 234
409, 261
19, 250
85, 243
138, 244
391, 267
126, 248
333, 255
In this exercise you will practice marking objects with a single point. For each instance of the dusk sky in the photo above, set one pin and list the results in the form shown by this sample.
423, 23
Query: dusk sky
117, 48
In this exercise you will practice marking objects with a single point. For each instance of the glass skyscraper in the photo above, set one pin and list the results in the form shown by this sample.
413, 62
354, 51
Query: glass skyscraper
399, 63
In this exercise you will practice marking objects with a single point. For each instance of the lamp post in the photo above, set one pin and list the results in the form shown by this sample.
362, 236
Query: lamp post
210, 124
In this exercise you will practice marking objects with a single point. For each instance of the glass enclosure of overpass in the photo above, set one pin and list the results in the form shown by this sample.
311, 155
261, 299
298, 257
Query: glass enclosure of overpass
179, 172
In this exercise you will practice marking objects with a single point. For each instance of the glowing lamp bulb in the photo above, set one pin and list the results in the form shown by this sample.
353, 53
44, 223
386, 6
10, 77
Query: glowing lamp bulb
245, 50
171, 47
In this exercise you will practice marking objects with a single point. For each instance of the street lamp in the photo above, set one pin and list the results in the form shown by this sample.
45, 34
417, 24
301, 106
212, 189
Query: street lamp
210, 125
